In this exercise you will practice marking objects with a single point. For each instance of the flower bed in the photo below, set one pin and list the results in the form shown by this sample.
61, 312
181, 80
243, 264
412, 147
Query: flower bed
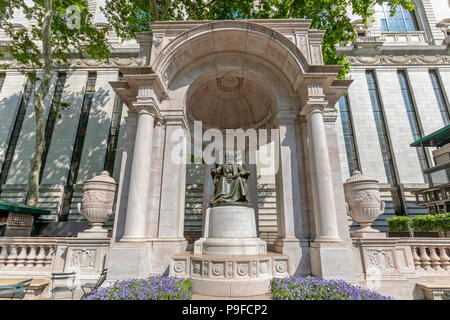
312, 288
153, 288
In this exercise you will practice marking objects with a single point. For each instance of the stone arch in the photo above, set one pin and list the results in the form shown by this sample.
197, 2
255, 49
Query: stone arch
248, 39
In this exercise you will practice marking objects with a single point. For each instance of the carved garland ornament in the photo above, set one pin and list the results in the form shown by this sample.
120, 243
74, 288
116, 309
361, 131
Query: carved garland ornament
406, 59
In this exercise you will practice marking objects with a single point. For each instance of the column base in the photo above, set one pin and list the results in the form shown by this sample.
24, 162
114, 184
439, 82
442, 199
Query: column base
141, 259
298, 252
332, 261
129, 262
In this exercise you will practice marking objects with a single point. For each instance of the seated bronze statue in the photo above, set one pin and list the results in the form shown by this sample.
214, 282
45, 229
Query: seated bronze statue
230, 181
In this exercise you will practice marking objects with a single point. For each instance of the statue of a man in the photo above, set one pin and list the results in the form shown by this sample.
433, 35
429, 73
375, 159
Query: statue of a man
230, 181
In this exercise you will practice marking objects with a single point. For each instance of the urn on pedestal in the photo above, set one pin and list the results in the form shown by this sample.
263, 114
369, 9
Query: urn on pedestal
363, 203
98, 200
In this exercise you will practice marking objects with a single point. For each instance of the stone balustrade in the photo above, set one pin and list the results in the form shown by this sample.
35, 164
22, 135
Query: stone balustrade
26, 255
396, 266
36, 257
404, 38
431, 255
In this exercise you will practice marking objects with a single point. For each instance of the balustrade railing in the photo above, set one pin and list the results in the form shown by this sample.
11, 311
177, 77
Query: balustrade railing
29, 256
430, 254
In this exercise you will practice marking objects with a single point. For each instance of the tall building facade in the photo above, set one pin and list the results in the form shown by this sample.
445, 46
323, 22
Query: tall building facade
400, 68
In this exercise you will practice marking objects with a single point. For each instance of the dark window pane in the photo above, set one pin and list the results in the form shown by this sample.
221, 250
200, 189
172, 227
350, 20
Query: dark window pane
412, 116
381, 129
16, 131
350, 147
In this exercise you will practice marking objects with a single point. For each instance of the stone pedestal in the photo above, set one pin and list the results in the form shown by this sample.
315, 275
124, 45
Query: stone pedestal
230, 260
230, 276
230, 230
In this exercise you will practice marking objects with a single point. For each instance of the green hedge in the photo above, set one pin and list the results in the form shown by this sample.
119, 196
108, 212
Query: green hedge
400, 223
429, 222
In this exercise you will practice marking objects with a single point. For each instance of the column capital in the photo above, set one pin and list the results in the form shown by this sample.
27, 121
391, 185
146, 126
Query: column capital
314, 99
175, 117
147, 107
131, 118
287, 118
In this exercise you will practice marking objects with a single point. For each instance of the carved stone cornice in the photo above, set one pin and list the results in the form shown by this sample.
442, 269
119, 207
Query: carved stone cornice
86, 63
397, 59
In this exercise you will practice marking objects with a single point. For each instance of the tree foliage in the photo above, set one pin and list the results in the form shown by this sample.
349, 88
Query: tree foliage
50, 39
130, 16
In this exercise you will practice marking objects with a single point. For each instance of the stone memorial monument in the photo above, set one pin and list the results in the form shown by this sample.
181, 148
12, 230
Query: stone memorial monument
230, 260
230, 226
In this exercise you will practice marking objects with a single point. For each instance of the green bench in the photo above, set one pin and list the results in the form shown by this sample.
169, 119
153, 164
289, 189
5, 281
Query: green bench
15, 289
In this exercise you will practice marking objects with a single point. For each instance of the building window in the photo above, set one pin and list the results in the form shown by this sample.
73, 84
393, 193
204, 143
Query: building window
16, 131
412, 117
381, 129
52, 117
78, 145
114, 133
347, 127
438, 92
2, 80
403, 20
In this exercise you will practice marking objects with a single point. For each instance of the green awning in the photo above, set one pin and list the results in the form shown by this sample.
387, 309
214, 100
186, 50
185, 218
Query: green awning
20, 207
435, 139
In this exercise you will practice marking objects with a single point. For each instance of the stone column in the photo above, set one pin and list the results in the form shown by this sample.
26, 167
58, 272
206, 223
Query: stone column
208, 192
289, 219
140, 171
331, 258
170, 238
321, 178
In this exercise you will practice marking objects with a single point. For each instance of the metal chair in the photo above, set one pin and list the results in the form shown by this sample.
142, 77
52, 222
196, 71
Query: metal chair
88, 288
16, 288
63, 288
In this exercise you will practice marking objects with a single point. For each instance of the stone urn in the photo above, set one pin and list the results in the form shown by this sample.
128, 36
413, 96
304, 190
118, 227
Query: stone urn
363, 203
99, 195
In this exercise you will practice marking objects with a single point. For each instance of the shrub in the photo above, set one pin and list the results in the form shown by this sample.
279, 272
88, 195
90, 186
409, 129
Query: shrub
424, 223
153, 288
399, 224
442, 221
312, 288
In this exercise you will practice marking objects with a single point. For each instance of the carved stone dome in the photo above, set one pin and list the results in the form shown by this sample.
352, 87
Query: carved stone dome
231, 102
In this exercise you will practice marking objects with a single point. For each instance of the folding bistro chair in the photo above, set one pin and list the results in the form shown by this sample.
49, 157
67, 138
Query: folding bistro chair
15, 289
70, 286
88, 288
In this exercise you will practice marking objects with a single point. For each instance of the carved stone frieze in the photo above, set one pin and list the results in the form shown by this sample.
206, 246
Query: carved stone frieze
401, 59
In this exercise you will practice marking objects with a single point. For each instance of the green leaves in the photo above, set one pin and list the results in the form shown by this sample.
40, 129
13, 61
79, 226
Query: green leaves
128, 17
26, 47
429, 222
399, 223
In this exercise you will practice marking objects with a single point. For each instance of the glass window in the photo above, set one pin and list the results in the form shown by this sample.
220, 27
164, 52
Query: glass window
16, 131
439, 94
381, 129
79, 142
412, 117
349, 139
52, 117
2, 80
114, 133
403, 20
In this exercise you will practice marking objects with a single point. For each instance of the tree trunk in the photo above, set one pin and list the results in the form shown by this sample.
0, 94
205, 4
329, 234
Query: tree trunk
39, 107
